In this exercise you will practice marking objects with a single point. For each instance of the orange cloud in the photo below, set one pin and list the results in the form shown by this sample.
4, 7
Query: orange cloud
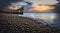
42, 8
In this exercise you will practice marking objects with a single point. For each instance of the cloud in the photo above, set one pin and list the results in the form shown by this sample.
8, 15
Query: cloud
5, 3
42, 8
44, 1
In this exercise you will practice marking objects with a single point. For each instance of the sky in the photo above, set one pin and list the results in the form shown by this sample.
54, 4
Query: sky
44, 1
35, 3
43, 8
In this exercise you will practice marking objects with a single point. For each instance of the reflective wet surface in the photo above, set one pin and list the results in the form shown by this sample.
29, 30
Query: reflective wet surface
51, 19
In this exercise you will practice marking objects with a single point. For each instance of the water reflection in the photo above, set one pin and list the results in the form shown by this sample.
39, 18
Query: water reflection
45, 18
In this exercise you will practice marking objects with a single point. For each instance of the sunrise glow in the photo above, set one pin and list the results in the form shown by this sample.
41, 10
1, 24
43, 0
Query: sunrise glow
42, 8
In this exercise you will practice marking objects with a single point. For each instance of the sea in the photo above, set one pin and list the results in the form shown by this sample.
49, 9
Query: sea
51, 19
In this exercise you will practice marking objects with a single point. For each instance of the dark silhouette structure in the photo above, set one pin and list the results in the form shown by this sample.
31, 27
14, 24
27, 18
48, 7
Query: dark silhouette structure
20, 10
